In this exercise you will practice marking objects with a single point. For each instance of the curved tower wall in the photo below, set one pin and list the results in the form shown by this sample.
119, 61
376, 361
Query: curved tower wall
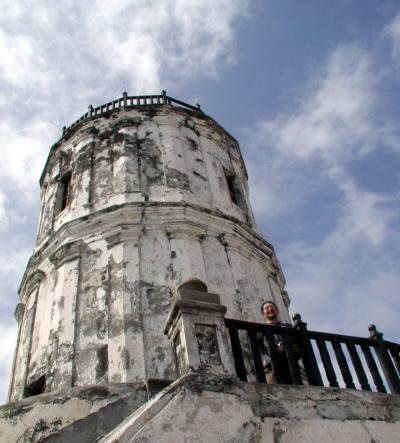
135, 203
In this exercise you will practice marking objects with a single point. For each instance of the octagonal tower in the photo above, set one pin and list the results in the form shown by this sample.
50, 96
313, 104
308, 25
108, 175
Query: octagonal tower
140, 197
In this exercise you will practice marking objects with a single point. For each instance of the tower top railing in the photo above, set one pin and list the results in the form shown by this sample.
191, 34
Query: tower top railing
128, 101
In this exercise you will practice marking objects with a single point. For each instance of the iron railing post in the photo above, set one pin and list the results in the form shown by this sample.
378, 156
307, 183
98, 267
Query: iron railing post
237, 351
292, 356
384, 359
306, 349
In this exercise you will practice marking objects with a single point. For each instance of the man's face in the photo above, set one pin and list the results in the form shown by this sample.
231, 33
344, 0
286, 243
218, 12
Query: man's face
270, 313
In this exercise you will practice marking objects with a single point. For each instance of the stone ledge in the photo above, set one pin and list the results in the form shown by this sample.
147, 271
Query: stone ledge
207, 408
65, 415
203, 408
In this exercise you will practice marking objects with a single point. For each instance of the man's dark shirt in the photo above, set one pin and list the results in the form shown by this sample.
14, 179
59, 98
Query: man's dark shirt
285, 375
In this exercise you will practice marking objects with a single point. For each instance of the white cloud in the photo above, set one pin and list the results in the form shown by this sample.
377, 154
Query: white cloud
138, 40
331, 124
348, 278
24, 151
393, 31
334, 117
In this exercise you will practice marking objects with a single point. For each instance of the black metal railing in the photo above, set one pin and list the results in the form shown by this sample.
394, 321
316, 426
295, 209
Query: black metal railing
286, 354
127, 101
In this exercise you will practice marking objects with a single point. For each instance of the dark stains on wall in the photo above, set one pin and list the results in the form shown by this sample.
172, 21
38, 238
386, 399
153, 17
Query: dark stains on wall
158, 297
199, 175
133, 322
102, 174
176, 179
124, 146
189, 123
150, 164
94, 310
94, 324
59, 375
193, 145
125, 358
93, 364
82, 162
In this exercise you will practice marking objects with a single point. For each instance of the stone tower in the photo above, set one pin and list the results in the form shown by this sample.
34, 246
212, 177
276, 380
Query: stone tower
140, 198
147, 252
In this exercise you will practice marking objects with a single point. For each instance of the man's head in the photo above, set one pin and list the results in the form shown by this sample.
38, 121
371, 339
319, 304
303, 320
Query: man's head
270, 312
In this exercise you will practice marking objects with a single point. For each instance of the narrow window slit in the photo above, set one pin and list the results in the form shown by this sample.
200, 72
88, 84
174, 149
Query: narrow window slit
63, 192
230, 181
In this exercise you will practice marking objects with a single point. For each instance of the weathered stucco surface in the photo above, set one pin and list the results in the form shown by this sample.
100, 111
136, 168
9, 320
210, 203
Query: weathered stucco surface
203, 408
78, 414
156, 197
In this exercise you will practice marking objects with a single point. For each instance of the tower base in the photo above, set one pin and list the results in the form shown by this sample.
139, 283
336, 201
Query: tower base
204, 408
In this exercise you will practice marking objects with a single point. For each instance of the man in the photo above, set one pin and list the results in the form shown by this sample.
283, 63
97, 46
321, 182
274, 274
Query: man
270, 313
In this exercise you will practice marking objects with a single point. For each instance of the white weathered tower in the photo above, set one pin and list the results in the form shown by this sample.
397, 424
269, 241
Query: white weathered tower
147, 253
140, 197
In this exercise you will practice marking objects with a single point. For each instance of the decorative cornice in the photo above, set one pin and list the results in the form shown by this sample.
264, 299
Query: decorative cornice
32, 282
237, 244
121, 233
66, 252
19, 312
149, 216
286, 298
184, 228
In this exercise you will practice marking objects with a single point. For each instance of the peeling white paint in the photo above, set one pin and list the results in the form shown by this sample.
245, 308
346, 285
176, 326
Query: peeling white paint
148, 208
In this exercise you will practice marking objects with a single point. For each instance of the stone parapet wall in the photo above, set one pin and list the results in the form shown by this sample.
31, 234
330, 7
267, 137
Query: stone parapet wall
203, 408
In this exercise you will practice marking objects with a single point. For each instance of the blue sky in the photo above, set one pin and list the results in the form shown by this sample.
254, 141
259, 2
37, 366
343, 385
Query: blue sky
309, 88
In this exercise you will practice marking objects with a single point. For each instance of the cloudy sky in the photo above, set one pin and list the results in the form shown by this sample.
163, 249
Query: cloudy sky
308, 87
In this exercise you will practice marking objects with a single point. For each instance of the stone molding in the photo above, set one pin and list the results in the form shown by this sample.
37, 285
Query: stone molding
235, 243
31, 283
181, 229
121, 233
19, 312
155, 216
66, 252
286, 298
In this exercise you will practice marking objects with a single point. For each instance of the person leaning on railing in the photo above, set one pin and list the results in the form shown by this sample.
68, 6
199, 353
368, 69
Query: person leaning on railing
270, 313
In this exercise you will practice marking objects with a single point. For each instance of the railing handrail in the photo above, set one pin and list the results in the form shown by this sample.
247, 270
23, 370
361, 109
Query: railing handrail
299, 347
128, 101
278, 330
